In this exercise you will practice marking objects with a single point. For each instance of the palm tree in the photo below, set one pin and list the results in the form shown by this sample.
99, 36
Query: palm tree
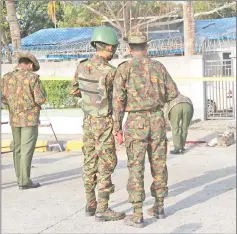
14, 25
52, 12
189, 28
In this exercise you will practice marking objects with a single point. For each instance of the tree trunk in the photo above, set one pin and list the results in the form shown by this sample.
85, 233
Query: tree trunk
127, 17
189, 28
14, 25
8, 51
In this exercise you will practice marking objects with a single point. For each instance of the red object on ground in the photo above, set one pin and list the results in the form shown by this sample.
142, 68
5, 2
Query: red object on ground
195, 142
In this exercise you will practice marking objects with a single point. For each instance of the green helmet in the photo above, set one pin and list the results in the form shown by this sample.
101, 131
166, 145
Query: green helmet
104, 34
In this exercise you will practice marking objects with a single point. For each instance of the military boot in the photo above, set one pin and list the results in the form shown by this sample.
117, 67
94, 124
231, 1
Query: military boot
90, 208
109, 215
135, 220
90, 211
158, 209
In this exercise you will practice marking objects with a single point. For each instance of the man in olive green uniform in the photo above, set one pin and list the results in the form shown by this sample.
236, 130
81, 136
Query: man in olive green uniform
142, 86
23, 93
93, 82
180, 112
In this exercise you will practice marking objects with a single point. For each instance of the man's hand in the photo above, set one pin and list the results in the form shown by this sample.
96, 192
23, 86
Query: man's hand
119, 137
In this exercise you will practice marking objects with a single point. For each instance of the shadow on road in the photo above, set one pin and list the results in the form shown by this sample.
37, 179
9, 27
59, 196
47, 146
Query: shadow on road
42, 160
187, 228
53, 178
208, 192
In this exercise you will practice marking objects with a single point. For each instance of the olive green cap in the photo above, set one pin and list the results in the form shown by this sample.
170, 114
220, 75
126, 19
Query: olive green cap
137, 38
31, 57
104, 34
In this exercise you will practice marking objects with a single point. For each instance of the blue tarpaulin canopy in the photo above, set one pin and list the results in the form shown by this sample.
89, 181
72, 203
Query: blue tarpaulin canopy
207, 28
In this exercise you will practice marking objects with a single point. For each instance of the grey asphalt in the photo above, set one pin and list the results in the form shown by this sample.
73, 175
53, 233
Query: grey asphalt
202, 194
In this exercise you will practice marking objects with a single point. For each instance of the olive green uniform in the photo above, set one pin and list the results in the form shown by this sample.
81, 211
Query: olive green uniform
23, 93
180, 113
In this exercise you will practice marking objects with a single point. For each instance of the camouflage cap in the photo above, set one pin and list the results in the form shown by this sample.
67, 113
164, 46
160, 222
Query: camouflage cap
31, 57
137, 38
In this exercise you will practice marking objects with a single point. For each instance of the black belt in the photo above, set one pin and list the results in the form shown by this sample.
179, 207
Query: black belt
142, 111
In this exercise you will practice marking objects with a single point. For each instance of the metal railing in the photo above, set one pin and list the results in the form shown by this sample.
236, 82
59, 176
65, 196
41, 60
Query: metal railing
220, 96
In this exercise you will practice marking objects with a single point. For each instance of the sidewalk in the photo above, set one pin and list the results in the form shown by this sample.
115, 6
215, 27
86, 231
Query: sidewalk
202, 194
203, 131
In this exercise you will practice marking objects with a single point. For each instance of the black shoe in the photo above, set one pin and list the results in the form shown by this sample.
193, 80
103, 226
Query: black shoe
33, 185
90, 211
176, 151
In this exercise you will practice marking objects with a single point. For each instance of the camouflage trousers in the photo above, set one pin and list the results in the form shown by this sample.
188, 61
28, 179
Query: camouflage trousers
145, 132
100, 159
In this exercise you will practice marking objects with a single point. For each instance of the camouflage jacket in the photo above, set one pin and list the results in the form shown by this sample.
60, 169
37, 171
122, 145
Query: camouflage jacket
23, 93
179, 99
141, 84
93, 82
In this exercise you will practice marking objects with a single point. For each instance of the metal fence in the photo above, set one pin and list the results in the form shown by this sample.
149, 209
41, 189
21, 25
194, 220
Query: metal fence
220, 96
159, 47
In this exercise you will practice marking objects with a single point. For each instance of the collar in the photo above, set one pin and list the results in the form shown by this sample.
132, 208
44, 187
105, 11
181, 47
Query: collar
17, 68
98, 60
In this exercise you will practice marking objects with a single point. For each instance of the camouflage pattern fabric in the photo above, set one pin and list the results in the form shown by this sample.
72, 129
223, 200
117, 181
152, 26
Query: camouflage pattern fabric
145, 133
142, 87
137, 38
100, 159
23, 93
93, 81
141, 84
179, 99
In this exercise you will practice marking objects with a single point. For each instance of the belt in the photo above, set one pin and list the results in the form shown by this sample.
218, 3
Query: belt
97, 117
144, 111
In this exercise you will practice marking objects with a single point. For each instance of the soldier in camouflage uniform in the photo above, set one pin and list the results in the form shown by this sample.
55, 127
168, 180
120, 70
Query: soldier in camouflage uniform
23, 93
142, 86
93, 82
180, 112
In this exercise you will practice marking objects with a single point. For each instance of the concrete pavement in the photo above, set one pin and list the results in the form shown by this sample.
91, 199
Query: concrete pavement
202, 194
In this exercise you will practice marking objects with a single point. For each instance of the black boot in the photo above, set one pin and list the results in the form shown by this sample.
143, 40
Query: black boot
90, 211
30, 186
176, 151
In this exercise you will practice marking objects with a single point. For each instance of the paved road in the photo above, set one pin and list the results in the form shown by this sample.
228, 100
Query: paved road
202, 195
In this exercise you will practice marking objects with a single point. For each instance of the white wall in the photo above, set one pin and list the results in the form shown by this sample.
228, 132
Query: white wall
180, 68
177, 66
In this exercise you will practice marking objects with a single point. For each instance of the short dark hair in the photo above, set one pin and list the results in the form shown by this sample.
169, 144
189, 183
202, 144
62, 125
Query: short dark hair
25, 61
138, 47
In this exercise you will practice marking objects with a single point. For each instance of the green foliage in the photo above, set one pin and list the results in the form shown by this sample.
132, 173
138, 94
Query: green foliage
58, 94
4, 24
75, 16
33, 16
205, 6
